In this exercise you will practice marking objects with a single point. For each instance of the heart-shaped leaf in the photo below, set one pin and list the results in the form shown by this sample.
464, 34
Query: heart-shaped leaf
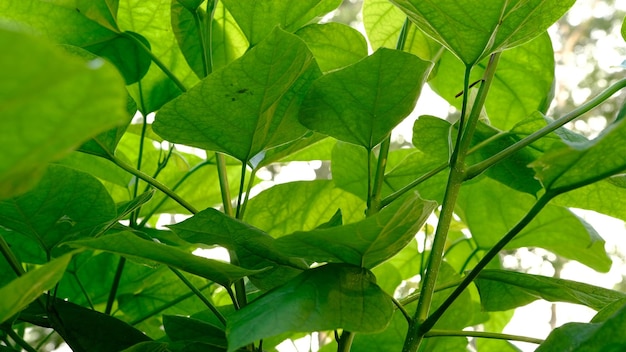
363, 102
475, 29
248, 106
333, 296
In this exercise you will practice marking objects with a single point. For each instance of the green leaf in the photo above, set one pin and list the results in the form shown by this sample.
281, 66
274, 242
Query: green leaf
244, 108
581, 337
127, 244
383, 22
623, 30
148, 346
19, 293
179, 328
65, 205
364, 111
366, 243
522, 83
555, 228
257, 18
253, 247
91, 25
334, 45
69, 99
579, 165
503, 290
475, 29
151, 19
333, 296
83, 329
301, 206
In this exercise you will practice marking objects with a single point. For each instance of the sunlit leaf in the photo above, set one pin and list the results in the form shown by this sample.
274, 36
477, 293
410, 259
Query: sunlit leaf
555, 228
366, 243
257, 18
579, 165
244, 108
475, 29
70, 100
383, 22
17, 294
581, 337
522, 83
363, 111
301, 206
334, 45
333, 296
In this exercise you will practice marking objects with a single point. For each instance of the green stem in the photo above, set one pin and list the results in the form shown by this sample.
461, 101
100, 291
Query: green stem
167, 305
483, 334
156, 60
456, 177
480, 167
224, 184
10, 257
375, 199
146, 218
115, 285
199, 294
493, 252
20, 341
345, 341
158, 185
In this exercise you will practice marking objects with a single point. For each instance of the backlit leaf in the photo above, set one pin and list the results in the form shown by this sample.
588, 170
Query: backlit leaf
17, 294
257, 18
333, 296
366, 243
70, 100
244, 108
363, 102
475, 29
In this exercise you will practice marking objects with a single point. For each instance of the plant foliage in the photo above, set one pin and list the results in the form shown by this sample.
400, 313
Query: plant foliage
87, 176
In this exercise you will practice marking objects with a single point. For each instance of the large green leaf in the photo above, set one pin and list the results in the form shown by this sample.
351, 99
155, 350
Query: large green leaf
257, 18
580, 337
333, 296
128, 244
334, 45
68, 99
65, 205
91, 25
475, 29
301, 206
253, 247
19, 293
582, 164
244, 108
363, 111
522, 83
366, 243
503, 290
555, 228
